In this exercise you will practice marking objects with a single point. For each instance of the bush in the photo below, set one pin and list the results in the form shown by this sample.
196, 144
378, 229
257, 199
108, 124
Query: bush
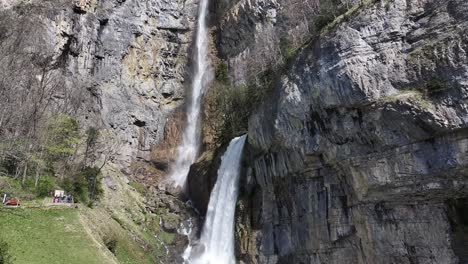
12, 155
221, 72
92, 135
111, 244
323, 20
79, 188
45, 185
93, 179
236, 104
435, 85
8, 166
287, 50
230, 107
5, 257
84, 185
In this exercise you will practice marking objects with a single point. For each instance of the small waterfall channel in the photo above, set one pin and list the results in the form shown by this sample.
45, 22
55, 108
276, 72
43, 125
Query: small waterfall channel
187, 152
216, 245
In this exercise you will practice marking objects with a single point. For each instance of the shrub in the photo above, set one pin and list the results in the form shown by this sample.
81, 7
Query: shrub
221, 72
92, 135
85, 185
230, 107
111, 244
12, 155
436, 85
236, 104
45, 185
92, 176
287, 50
8, 166
79, 188
323, 20
329, 10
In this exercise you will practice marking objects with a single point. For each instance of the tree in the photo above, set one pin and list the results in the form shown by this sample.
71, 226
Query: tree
45, 185
29, 87
92, 136
63, 136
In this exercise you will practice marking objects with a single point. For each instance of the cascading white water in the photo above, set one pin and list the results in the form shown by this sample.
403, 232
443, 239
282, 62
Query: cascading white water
216, 245
188, 151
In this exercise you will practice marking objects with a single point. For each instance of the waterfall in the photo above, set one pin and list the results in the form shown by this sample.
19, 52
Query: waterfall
188, 151
216, 245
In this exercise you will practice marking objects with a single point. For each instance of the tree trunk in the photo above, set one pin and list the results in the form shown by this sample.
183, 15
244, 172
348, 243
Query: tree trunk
23, 182
38, 169
17, 172
36, 182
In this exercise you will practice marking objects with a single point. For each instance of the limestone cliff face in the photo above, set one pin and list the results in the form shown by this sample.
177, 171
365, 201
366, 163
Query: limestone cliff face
124, 61
252, 35
119, 66
360, 153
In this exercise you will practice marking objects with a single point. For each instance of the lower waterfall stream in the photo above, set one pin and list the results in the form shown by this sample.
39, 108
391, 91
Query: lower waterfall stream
216, 244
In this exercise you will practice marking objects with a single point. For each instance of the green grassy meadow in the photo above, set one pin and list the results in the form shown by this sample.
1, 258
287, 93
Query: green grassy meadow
39, 236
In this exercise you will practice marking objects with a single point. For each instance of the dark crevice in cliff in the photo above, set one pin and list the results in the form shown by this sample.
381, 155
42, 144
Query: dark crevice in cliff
66, 50
458, 217
79, 10
103, 22
139, 123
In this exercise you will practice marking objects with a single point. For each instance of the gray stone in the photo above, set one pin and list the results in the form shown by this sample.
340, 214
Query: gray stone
117, 59
360, 155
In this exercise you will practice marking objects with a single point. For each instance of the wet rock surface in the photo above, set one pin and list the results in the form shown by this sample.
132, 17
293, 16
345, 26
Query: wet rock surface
202, 177
177, 218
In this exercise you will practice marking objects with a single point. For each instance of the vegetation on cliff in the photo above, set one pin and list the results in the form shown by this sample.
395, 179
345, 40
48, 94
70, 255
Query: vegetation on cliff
228, 107
62, 157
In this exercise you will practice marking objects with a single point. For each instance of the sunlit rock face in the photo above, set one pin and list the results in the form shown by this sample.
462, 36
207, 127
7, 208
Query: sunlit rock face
125, 61
359, 153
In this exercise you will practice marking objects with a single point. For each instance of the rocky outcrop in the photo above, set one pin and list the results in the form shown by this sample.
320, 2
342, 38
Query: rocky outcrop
359, 156
202, 178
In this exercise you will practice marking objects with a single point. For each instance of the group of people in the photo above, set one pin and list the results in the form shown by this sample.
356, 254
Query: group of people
63, 199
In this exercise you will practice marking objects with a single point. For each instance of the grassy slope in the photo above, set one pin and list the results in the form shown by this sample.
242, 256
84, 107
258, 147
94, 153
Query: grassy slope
50, 236
101, 226
63, 235
120, 215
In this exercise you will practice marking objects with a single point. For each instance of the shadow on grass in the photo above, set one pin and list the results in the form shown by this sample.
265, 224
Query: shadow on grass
16, 211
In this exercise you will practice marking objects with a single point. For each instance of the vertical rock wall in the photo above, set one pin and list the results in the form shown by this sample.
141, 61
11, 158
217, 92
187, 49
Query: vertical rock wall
123, 61
360, 153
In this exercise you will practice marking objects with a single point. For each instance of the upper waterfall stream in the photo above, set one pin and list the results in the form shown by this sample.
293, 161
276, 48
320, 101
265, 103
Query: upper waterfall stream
216, 245
188, 151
